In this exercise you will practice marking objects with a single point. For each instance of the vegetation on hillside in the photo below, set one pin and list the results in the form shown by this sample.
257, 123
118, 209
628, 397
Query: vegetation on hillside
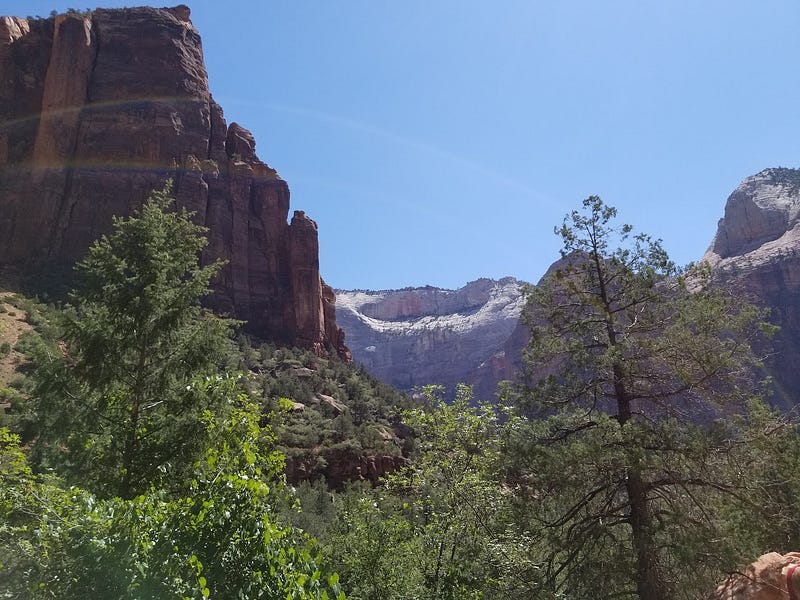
148, 474
144, 453
326, 410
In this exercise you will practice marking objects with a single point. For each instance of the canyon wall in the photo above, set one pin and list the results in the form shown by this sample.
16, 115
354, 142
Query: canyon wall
756, 254
428, 335
97, 110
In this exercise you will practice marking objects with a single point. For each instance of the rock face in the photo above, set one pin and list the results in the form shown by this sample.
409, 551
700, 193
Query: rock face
756, 253
342, 465
100, 109
427, 335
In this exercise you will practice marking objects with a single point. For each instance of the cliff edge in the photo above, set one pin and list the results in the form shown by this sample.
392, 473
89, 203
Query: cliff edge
100, 108
756, 253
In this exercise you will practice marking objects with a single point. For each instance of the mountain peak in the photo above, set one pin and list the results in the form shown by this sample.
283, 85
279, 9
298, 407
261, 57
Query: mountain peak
761, 218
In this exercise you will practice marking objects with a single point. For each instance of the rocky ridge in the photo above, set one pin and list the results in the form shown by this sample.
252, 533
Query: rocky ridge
425, 335
98, 109
429, 335
756, 253
761, 222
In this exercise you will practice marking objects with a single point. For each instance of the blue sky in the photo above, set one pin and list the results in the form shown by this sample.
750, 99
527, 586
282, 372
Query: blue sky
438, 141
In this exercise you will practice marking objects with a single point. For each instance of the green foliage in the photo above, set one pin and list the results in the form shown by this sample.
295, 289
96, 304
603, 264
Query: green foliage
219, 538
18, 414
86, 12
438, 529
31, 512
375, 549
119, 408
319, 507
454, 501
762, 512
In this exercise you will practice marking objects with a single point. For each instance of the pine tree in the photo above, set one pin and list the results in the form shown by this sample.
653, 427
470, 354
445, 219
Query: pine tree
632, 368
119, 407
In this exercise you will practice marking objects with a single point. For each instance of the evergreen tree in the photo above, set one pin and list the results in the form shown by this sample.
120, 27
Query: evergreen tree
119, 407
619, 455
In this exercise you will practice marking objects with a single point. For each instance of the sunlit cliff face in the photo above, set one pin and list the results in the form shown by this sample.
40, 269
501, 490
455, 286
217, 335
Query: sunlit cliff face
428, 335
101, 108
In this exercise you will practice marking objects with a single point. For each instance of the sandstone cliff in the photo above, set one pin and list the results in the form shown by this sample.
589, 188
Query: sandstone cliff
98, 110
428, 335
756, 253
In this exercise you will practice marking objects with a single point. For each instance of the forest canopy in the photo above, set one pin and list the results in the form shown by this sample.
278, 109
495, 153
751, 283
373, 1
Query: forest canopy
144, 453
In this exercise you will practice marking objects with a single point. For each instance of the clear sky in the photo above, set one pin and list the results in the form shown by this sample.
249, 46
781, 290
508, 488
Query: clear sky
438, 141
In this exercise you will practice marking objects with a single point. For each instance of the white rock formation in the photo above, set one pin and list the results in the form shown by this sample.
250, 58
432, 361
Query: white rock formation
756, 254
761, 223
428, 335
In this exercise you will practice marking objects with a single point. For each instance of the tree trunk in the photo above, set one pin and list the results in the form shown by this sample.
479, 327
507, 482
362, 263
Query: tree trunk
131, 438
126, 483
648, 584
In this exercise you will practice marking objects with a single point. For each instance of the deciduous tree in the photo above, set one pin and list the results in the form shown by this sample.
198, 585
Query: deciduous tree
216, 537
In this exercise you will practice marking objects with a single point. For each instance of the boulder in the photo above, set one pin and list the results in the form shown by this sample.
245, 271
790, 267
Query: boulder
337, 405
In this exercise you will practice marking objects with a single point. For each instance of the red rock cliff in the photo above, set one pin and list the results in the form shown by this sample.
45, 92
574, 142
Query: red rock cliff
97, 111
